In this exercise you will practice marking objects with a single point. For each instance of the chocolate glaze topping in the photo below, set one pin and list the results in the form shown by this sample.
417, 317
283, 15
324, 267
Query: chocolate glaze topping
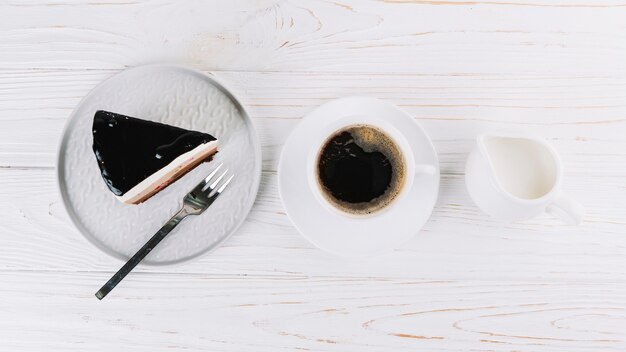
129, 149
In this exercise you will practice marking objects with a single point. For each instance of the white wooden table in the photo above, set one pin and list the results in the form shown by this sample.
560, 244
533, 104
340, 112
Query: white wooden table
464, 283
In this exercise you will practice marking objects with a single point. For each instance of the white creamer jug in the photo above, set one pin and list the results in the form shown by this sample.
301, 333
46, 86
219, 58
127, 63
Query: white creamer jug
515, 176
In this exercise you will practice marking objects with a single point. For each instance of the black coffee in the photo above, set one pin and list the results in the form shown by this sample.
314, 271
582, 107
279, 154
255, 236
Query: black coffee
360, 169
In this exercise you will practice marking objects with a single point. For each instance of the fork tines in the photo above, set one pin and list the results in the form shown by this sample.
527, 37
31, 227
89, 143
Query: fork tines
206, 184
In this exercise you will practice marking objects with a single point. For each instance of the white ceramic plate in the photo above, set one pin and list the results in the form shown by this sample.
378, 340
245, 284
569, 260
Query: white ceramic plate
177, 96
355, 236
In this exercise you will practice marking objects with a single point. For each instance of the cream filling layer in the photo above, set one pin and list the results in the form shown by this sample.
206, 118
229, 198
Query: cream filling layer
160, 179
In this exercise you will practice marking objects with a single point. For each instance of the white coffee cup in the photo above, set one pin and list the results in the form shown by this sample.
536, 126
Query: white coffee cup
516, 176
411, 168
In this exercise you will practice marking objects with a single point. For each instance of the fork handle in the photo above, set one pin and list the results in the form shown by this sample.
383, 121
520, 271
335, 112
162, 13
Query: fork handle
142, 253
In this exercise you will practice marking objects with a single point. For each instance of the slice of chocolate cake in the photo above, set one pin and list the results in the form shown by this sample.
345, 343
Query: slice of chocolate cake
138, 158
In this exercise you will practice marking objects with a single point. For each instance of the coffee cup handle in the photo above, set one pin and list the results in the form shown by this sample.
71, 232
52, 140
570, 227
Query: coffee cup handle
568, 210
424, 169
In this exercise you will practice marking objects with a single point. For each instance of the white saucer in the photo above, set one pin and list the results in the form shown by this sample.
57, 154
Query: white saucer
355, 236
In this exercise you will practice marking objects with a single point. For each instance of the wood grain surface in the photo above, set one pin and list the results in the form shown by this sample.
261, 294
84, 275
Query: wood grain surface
466, 282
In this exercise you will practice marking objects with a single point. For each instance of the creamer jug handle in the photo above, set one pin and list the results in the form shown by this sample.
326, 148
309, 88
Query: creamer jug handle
566, 209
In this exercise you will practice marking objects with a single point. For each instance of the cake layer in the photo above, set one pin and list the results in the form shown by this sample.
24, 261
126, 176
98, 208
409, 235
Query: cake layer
170, 173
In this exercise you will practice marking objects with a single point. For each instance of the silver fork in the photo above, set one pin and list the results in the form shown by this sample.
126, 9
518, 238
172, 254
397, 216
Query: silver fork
194, 203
